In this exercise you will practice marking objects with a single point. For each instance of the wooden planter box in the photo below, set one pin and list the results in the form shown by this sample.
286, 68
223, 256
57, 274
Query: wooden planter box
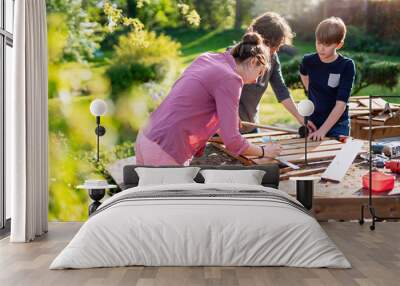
384, 123
380, 128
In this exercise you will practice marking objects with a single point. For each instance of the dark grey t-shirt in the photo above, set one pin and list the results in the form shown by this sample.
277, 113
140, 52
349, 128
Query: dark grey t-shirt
252, 93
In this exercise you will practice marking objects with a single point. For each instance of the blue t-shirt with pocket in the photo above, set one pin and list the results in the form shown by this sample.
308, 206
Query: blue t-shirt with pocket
328, 82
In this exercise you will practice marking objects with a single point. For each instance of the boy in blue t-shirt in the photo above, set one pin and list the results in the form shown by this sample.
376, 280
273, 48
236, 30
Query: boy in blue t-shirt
328, 77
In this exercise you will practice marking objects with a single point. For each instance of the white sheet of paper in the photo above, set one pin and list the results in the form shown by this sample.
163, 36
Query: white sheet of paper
337, 169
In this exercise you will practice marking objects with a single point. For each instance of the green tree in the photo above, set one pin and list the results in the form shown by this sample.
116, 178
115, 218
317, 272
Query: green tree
84, 32
215, 13
242, 12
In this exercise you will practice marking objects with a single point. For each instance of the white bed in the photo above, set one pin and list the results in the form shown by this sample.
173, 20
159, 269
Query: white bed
203, 225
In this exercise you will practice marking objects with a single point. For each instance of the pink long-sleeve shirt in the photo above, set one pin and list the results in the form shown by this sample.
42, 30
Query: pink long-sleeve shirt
203, 101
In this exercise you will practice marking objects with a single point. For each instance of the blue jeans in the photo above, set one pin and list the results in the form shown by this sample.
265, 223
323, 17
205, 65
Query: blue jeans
340, 128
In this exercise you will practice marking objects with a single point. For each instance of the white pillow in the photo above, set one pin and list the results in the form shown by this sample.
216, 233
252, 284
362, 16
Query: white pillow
248, 177
165, 176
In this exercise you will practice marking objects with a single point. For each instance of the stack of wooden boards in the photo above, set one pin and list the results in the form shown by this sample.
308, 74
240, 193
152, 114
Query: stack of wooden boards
319, 154
385, 118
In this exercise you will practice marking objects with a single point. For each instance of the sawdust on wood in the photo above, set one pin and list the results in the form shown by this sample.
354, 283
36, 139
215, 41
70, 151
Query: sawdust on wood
349, 187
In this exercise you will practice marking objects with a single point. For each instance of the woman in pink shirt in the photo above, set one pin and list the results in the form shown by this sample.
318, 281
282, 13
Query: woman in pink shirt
203, 101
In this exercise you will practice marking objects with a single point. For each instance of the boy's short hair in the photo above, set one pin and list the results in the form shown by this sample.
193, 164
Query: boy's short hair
274, 29
331, 31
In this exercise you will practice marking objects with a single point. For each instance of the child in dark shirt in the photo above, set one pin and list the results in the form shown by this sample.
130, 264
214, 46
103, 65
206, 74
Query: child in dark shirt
328, 77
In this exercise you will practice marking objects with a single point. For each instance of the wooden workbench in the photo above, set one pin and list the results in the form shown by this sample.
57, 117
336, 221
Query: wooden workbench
342, 201
332, 201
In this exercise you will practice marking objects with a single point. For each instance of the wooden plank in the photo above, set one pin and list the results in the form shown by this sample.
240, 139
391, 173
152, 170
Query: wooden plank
364, 121
354, 105
312, 157
258, 136
343, 160
310, 149
392, 120
381, 127
310, 165
381, 133
301, 173
277, 138
270, 127
393, 107
299, 140
380, 119
376, 103
356, 98
360, 113
339, 208
359, 129
263, 134
355, 113
311, 144
379, 101
245, 161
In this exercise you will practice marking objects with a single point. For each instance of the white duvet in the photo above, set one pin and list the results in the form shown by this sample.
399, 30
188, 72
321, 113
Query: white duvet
188, 231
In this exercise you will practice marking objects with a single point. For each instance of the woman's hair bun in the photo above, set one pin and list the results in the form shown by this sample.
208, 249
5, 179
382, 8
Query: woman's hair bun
252, 38
251, 46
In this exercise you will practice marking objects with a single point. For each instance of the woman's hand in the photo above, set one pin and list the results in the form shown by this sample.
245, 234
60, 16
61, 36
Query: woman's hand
272, 150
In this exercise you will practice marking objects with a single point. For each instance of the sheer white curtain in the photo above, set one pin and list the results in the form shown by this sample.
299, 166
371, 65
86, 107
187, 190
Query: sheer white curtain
27, 122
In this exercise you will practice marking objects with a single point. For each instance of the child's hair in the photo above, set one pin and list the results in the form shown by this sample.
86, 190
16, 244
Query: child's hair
331, 31
274, 29
251, 46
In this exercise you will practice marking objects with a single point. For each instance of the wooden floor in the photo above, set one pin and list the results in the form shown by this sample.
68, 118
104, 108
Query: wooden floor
375, 257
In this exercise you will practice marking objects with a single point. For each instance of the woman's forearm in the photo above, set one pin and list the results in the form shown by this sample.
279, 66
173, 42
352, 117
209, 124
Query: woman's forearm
270, 150
253, 150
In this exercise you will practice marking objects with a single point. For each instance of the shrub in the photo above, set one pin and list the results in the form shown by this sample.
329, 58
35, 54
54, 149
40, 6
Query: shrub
290, 72
360, 41
141, 57
122, 76
385, 74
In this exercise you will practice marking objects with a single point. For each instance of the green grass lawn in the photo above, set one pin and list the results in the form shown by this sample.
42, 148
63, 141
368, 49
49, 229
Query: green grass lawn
195, 42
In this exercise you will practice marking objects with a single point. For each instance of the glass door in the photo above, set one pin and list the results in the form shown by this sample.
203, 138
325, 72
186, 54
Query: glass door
6, 66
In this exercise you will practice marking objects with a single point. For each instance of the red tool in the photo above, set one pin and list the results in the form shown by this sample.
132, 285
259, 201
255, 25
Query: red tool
380, 182
343, 138
393, 165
